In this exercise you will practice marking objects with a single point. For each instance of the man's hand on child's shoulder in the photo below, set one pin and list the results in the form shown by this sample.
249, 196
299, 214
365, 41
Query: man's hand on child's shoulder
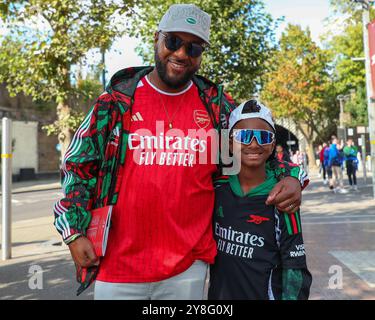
286, 195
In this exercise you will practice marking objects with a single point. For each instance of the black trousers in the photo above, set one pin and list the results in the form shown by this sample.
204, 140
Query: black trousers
324, 170
351, 172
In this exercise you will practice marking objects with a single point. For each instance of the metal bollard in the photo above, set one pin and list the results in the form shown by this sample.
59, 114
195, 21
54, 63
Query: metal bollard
6, 162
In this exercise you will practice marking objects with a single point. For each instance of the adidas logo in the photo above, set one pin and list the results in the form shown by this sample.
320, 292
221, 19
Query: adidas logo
137, 117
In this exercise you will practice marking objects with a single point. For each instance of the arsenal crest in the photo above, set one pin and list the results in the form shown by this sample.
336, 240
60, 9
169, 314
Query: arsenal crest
257, 219
201, 118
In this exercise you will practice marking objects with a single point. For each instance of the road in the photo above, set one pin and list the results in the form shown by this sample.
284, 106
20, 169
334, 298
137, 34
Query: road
35, 204
339, 234
38, 246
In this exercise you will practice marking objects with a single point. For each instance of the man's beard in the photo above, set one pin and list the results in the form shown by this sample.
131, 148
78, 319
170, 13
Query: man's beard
161, 68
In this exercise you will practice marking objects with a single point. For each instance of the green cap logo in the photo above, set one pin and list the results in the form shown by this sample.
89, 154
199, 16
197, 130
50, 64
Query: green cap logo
191, 21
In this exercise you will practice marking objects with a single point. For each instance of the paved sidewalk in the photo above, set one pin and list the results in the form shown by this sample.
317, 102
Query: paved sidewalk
338, 230
36, 244
35, 185
339, 234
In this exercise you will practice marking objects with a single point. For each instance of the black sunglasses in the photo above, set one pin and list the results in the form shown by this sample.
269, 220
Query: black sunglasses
173, 43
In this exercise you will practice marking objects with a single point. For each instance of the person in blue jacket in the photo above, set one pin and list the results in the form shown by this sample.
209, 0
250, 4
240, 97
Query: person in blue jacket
327, 165
335, 161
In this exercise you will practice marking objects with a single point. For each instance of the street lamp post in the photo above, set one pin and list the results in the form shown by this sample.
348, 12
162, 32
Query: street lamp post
342, 98
370, 101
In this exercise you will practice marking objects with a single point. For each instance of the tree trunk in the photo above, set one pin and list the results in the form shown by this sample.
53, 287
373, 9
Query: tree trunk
63, 112
65, 135
309, 136
311, 154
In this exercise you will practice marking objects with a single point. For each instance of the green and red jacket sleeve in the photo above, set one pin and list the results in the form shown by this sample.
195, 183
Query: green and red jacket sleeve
79, 172
296, 278
284, 169
295, 284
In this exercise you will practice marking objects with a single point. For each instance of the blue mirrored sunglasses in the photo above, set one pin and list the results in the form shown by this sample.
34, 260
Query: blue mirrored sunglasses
246, 136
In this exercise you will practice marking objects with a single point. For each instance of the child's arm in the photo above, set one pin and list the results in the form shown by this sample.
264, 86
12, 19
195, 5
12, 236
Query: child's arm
296, 278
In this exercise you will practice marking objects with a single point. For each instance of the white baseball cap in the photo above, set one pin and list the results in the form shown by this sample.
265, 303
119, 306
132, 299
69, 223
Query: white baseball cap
186, 18
251, 109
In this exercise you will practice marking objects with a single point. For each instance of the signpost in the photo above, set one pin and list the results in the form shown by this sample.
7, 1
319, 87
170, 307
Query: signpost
6, 163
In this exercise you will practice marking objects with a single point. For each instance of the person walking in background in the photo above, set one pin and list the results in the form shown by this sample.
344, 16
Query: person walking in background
317, 159
351, 162
281, 154
336, 161
296, 157
328, 166
299, 159
305, 161
322, 162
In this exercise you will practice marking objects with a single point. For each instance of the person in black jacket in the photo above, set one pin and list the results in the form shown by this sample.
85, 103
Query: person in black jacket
281, 154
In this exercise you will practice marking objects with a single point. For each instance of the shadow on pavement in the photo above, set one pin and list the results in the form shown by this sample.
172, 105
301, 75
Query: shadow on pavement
58, 280
19, 244
318, 195
339, 231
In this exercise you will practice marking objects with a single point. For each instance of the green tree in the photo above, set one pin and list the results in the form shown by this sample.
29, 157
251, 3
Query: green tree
242, 38
46, 39
348, 73
298, 86
89, 88
351, 8
357, 108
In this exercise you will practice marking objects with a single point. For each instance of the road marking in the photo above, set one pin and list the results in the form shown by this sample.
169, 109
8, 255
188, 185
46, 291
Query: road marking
362, 263
340, 217
338, 222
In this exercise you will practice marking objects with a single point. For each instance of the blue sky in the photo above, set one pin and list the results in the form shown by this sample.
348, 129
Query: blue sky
303, 12
307, 13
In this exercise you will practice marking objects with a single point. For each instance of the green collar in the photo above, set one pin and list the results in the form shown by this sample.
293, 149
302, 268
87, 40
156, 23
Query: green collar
260, 190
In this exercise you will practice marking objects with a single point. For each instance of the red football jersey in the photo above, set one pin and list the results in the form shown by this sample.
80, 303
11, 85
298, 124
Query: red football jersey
162, 221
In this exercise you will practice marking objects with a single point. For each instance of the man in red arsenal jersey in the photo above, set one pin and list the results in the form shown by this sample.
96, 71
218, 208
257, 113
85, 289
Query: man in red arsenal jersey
147, 130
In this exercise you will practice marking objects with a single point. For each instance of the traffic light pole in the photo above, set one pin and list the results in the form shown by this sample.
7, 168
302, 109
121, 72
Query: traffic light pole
6, 187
